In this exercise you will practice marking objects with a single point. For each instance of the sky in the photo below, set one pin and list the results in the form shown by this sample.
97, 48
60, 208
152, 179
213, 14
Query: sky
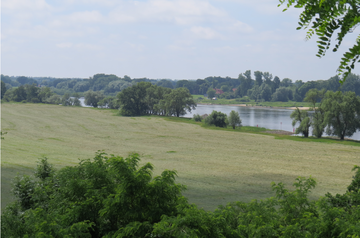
171, 39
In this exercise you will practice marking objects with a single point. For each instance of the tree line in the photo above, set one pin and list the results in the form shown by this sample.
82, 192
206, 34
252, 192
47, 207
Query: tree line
336, 113
142, 98
112, 196
260, 86
34, 94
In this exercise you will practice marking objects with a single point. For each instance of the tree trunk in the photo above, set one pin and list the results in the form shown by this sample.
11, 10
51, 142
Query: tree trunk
306, 134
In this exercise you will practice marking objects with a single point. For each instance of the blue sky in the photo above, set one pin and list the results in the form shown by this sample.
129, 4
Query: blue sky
175, 39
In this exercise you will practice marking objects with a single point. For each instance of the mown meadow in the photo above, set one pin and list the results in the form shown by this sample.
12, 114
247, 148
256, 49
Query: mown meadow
217, 166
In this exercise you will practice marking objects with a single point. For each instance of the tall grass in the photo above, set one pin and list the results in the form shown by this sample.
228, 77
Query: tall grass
217, 165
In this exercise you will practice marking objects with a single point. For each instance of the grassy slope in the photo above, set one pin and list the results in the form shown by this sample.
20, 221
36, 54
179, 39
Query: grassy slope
217, 166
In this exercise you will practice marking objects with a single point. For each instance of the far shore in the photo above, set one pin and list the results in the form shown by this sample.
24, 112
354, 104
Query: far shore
251, 106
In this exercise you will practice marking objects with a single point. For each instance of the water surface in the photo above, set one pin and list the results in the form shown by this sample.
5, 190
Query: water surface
271, 118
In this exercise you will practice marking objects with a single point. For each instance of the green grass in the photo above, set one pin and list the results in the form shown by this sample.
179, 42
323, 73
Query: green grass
319, 140
264, 131
217, 165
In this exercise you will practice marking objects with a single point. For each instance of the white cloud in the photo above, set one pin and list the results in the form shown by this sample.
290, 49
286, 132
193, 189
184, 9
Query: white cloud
25, 4
87, 17
204, 33
264, 6
176, 11
238, 26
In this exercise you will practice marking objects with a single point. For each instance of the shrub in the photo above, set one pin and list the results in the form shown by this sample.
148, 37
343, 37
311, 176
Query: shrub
216, 118
243, 99
197, 117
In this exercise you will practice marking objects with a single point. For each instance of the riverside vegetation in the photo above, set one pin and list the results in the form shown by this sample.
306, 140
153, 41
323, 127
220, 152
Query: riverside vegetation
259, 88
218, 166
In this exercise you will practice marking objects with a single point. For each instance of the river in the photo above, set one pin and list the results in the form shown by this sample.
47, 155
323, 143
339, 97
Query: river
271, 118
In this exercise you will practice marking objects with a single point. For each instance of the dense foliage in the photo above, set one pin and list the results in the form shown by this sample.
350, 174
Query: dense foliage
264, 87
325, 18
337, 112
216, 118
145, 98
234, 119
111, 196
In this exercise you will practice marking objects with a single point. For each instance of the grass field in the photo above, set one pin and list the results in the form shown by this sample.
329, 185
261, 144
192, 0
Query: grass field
218, 166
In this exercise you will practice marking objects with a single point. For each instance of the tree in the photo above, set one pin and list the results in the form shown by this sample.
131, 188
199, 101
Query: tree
255, 93
32, 93
276, 83
81, 86
65, 100
342, 113
74, 100
268, 77
107, 196
112, 196
132, 100
211, 93
3, 89
44, 93
317, 119
20, 94
110, 102
165, 83
225, 88
216, 118
303, 118
324, 18
258, 77
286, 82
93, 98
282, 94
265, 92
245, 83
179, 101
234, 119
24, 80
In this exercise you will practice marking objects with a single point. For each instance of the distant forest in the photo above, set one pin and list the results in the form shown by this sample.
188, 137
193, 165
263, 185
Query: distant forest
259, 86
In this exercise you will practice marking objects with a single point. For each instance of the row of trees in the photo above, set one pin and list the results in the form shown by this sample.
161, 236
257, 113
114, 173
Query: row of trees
114, 197
259, 86
34, 94
336, 113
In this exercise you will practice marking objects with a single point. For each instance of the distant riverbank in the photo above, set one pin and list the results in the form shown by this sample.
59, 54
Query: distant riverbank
201, 100
256, 106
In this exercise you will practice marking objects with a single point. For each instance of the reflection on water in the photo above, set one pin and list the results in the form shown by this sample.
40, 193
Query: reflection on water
82, 102
275, 119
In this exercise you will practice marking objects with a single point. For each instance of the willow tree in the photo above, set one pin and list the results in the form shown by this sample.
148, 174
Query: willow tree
342, 113
315, 96
301, 117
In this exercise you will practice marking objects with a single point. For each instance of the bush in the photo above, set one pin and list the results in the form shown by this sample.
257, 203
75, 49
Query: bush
243, 99
216, 118
197, 117
54, 99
